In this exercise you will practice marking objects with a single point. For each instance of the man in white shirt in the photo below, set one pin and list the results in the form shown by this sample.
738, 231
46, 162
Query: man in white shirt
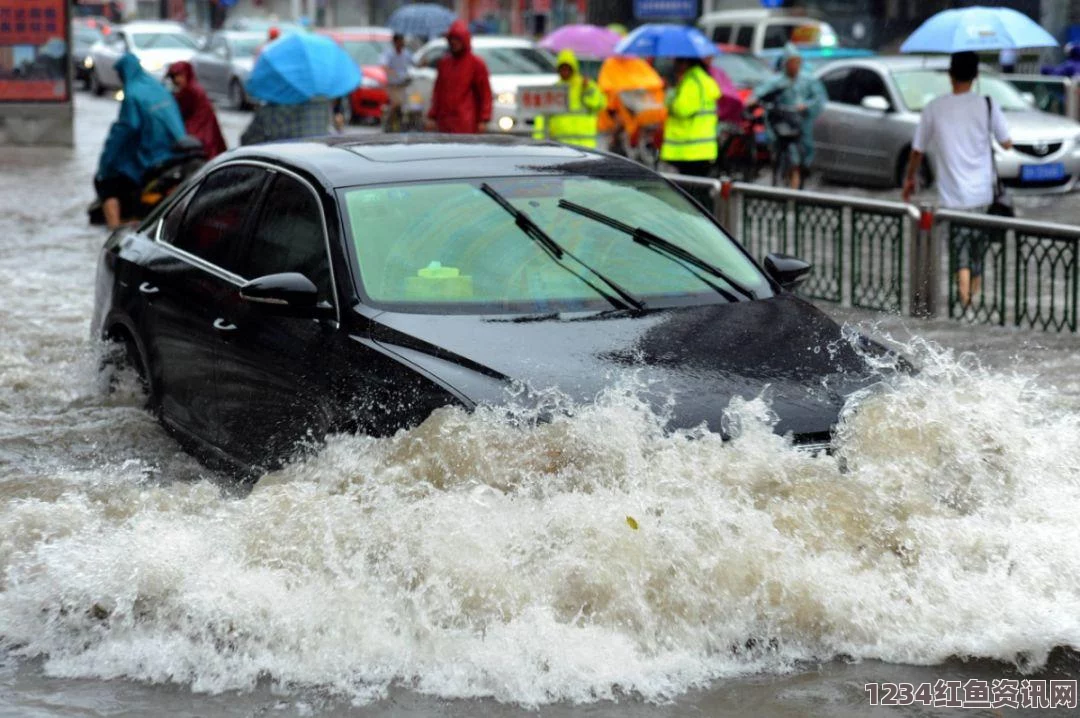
397, 61
958, 128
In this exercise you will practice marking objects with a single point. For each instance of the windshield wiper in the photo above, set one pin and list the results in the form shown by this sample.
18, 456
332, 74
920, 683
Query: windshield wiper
557, 252
662, 246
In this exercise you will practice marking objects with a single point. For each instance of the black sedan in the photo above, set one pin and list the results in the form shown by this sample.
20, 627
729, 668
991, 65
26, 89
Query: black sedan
293, 290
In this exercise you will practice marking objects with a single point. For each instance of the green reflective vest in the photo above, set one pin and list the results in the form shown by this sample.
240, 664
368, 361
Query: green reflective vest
576, 126
690, 128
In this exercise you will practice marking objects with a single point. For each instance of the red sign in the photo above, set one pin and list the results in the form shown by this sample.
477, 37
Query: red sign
544, 99
33, 50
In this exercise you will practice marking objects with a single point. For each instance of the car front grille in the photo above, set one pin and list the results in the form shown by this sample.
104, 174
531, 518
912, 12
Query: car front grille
1039, 149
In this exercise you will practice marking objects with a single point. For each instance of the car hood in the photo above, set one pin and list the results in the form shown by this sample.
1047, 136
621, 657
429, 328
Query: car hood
1032, 126
692, 361
510, 83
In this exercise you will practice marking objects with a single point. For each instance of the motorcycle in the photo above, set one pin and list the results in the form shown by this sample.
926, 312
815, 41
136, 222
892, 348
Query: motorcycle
161, 180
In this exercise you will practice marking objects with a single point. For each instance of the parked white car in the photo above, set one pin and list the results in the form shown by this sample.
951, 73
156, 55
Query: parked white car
512, 62
759, 30
156, 44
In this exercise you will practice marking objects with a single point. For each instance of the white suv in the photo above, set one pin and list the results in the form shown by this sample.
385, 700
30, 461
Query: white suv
758, 30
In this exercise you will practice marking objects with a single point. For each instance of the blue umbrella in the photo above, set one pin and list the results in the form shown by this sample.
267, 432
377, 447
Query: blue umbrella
977, 29
301, 67
665, 41
421, 19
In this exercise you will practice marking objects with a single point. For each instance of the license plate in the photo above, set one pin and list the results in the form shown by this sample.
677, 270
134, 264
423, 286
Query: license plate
1042, 173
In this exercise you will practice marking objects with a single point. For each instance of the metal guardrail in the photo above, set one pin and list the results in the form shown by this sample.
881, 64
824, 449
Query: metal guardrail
893, 257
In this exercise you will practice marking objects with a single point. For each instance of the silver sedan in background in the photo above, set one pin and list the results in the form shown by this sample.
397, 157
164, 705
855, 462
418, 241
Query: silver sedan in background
224, 63
156, 44
864, 135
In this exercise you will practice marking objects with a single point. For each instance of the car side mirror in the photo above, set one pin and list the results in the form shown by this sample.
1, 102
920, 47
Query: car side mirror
289, 294
1029, 97
789, 272
877, 103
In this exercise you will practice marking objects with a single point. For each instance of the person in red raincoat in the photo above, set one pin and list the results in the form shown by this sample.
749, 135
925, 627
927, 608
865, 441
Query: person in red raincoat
199, 118
461, 100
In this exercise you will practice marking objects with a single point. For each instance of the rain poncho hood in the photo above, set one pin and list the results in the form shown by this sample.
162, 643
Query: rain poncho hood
567, 57
458, 29
147, 128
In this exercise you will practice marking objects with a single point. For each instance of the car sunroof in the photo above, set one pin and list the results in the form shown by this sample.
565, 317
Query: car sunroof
416, 152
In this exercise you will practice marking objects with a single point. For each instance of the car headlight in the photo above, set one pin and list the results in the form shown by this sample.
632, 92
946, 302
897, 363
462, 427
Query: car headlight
369, 84
152, 65
88, 62
506, 123
507, 99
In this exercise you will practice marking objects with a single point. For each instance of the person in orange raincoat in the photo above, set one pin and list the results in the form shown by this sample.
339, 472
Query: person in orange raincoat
635, 94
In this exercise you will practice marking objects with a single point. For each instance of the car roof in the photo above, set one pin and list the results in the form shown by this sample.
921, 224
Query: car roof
153, 26
755, 15
892, 63
352, 160
488, 41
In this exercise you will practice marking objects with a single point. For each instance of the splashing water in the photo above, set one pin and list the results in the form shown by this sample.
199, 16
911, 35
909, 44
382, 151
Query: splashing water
583, 558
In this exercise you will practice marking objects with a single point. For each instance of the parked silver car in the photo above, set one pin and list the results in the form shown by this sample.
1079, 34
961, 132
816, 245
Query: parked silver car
224, 63
512, 62
864, 135
156, 44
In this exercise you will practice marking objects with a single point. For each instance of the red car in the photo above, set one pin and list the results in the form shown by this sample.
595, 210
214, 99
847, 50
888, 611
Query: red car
366, 46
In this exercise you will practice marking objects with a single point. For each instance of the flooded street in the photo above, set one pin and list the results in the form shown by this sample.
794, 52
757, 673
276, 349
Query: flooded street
594, 565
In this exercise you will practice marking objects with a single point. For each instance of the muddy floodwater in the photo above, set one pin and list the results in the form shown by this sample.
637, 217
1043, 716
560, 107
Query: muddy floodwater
593, 565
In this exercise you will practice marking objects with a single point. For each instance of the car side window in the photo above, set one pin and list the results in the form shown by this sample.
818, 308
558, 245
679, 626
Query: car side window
745, 36
289, 237
866, 83
217, 213
837, 85
431, 57
776, 35
721, 33
170, 223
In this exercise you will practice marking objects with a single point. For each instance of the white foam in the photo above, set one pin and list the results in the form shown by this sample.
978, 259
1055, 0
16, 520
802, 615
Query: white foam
475, 557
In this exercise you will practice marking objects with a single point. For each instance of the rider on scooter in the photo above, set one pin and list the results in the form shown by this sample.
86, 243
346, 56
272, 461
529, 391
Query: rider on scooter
143, 136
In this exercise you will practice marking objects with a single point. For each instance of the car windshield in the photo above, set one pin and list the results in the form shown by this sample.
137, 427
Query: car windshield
744, 71
87, 35
366, 52
516, 60
162, 41
246, 46
465, 254
919, 87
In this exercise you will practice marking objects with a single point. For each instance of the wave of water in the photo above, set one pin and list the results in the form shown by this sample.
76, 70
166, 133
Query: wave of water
588, 557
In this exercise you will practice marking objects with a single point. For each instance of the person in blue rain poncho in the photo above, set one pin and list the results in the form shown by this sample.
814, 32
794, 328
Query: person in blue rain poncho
803, 93
144, 135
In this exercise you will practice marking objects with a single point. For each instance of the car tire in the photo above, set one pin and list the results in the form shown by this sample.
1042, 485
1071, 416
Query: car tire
237, 97
121, 355
95, 84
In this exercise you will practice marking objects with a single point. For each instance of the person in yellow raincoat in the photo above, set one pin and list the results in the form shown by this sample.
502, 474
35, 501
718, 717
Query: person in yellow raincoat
690, 129
635, 93
578, 125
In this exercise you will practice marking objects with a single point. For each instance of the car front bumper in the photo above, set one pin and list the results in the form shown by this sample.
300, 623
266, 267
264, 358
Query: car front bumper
1052, 171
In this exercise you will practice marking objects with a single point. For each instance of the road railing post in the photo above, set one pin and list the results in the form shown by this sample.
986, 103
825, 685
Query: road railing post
924, 262
724, 200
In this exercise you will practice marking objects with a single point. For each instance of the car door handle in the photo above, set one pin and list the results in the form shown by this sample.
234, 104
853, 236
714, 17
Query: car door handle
148, 288
223, 326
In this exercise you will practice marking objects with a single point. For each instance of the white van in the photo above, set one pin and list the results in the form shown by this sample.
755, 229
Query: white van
758, 30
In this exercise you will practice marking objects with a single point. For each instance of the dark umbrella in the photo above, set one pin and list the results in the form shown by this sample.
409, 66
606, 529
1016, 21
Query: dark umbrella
422, 19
